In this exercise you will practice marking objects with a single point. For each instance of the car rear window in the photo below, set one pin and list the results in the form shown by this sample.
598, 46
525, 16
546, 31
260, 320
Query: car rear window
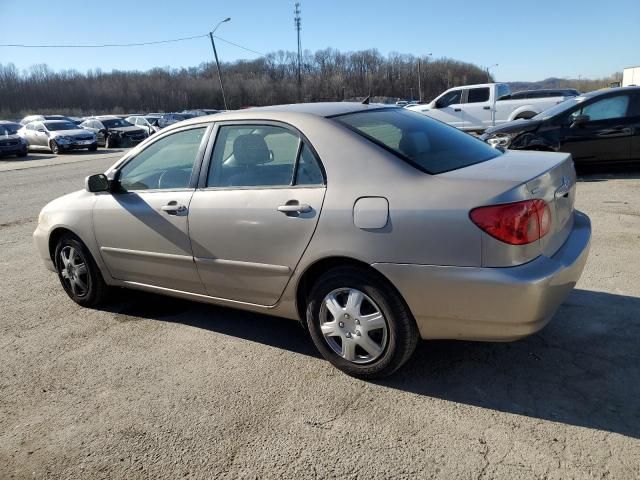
428, 144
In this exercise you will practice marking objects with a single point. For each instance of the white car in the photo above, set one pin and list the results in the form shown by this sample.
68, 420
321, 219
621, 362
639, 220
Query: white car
478, 107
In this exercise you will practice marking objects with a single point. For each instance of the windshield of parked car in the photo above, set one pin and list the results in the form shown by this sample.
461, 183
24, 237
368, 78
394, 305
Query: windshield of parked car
115, 123
60, 125
559, 108
8, 129
428, 144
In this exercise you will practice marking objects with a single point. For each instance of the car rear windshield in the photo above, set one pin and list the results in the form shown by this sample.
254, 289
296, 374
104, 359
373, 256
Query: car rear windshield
428, 144
8, 130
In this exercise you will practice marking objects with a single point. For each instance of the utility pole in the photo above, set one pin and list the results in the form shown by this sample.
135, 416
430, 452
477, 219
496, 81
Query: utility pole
297, 20
215, 54
419, 82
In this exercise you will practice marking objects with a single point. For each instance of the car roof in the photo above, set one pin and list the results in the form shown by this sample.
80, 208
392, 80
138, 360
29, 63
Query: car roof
8, 122
52, 122
604, 91
105, 117
321, 109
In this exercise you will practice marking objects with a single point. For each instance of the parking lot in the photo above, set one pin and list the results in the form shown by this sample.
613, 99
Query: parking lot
152, 386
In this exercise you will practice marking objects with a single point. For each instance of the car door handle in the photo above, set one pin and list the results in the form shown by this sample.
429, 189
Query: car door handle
172, 208
486, 108
457, 109
295, 208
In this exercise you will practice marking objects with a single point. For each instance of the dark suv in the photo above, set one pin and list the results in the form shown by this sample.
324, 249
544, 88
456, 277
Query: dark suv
600, 126
112, 131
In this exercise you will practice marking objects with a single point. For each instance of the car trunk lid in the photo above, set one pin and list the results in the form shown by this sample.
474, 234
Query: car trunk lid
525, 175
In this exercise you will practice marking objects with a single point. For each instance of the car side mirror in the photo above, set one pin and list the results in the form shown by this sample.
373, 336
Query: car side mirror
97, 183
437, 104
102, 130
579, 121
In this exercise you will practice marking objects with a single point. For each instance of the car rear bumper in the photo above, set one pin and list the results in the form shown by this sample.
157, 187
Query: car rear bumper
492, 304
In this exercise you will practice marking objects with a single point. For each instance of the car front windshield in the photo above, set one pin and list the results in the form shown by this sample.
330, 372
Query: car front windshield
428, 144
8, 130
115, 123
560, 108
55, 126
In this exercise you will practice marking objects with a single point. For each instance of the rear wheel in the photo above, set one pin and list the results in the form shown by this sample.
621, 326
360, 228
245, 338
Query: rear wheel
53, 145
21, 154
78, 272
93, 148
360, 323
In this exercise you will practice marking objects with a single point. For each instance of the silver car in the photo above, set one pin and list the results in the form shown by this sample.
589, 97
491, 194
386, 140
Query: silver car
57, 136
373, 226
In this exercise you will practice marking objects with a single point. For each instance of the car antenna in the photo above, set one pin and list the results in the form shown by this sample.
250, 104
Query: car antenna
366, 100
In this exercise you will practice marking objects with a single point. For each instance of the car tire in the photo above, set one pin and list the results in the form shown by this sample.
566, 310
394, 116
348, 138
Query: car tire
360, 343
22, 154
93, 148
78, 273
53, 146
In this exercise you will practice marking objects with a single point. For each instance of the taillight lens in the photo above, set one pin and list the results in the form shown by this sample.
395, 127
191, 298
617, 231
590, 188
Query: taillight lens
517, 223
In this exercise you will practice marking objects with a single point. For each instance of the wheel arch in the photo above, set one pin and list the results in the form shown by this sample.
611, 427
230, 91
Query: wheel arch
314, 271
55, 236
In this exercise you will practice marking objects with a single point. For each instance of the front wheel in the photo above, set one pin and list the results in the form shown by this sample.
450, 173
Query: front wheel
93, 147
78, 272
53, 145
360, 324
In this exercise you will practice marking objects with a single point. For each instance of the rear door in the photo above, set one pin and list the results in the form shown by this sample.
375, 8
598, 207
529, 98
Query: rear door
634, 123
477, 107
606, 136
255, 211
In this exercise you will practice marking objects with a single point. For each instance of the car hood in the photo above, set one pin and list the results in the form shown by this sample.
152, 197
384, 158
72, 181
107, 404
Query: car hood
515, 126
126, 129
70, 133
10, 137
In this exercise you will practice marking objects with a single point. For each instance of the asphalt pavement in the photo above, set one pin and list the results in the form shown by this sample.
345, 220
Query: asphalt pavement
152, 387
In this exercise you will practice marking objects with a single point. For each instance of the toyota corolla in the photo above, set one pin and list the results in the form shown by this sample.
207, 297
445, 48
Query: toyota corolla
373, 226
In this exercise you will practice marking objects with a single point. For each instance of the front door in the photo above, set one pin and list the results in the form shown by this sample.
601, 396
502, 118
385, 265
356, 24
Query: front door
478, 114
448, 109
605, 136
142, 229
256, 212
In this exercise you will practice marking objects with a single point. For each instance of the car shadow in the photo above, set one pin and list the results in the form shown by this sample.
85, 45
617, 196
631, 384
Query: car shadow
601, 173
583, 369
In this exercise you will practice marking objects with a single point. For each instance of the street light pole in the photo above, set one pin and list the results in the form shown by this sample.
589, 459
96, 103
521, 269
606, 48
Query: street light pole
488, 68
215, 54
420, 77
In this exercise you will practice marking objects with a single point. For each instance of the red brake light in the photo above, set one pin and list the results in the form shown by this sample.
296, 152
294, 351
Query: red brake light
517, 223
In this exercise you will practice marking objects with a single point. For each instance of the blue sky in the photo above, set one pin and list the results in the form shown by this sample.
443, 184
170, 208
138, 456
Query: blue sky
529, 42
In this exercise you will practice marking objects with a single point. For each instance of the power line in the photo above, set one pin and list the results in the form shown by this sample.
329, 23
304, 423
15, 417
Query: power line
119, 45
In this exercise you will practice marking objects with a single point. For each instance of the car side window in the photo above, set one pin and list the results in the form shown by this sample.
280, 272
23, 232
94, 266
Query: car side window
165, 164
261, 156
450, 98
605, 109
478, 95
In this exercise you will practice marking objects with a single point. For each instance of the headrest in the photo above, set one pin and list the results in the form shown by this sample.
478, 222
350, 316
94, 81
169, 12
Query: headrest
414, 144
250, 149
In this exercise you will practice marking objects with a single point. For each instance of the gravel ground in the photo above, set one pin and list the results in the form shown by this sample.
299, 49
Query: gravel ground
159, 388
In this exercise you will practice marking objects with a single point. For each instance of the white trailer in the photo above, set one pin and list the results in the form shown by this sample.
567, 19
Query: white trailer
631, 76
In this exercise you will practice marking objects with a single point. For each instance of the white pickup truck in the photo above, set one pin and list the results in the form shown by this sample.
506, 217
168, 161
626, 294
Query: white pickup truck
478, 107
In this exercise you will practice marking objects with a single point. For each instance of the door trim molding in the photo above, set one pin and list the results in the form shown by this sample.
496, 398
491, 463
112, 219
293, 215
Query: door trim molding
144, 253
237, 265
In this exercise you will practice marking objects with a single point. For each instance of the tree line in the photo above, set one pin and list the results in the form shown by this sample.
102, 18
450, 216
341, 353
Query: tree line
327, 75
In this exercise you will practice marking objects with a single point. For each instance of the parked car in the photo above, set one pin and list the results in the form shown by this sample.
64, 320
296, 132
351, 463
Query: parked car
366, 223
148, 122
600, 126
57, 136
112, 131
170, 118
542, 93
40, 118
199, 112
10, 142
478, 107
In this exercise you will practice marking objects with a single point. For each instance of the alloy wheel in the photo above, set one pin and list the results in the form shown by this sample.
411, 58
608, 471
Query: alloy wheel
74, 271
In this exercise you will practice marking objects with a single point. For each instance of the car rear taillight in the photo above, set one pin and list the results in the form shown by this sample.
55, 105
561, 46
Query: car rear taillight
517, 223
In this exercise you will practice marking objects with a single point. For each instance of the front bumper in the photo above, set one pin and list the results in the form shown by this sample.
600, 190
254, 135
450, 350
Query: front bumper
77, 145
41, 242
13, 149
491, 304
